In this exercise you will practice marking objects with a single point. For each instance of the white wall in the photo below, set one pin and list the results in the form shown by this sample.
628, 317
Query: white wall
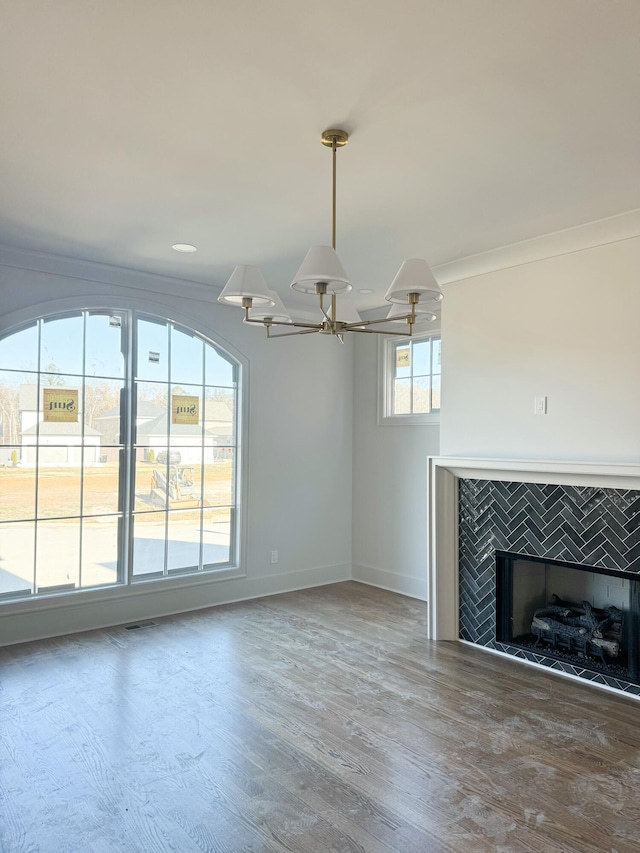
566, 327
298, 453
389, 487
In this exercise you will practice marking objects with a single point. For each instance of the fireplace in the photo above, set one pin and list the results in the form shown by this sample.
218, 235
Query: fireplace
563, 516
586, 616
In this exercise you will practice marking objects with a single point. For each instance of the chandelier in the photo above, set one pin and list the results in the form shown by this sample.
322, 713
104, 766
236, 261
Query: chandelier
413, 291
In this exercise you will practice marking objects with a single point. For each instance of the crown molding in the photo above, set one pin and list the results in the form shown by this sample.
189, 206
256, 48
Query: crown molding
93, 271
614, 229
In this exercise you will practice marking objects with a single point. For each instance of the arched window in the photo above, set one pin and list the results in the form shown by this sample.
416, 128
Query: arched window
118, 453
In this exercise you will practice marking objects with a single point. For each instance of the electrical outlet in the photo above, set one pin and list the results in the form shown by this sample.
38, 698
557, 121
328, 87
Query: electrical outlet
274, 556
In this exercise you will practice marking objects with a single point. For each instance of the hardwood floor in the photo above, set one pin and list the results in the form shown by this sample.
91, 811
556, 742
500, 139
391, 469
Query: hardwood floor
309, 722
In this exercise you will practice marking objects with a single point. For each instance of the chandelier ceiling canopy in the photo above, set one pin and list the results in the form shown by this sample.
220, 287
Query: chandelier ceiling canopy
414, 291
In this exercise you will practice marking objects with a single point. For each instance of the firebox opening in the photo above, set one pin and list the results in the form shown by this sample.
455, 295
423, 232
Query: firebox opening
583, 615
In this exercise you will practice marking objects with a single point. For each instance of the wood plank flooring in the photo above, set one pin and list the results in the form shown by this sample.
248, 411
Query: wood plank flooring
310, 722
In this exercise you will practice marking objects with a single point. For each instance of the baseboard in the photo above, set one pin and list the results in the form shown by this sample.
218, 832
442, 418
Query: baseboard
120, 608
392, 581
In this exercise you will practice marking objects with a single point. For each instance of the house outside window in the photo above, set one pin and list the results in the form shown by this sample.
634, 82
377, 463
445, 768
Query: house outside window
409, 380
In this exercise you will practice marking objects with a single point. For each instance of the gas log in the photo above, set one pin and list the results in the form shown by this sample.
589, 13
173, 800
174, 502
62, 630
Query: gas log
579, 628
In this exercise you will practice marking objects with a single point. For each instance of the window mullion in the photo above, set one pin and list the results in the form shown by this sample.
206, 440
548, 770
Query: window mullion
127, 449
165, 568
82, 436
412, 381
37, 463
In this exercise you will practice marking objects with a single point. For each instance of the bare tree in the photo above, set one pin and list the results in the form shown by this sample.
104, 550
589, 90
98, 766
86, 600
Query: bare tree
99, 397
50, 378
9, 414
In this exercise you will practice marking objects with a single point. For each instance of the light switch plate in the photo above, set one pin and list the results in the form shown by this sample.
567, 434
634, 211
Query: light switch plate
540, 406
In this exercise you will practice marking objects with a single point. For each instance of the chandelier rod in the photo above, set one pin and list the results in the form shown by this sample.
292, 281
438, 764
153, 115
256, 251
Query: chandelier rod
334, 148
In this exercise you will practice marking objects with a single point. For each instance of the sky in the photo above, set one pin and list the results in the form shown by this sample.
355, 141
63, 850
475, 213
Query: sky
61, 350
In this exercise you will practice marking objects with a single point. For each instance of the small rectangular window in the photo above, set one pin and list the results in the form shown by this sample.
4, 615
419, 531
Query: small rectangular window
410, 380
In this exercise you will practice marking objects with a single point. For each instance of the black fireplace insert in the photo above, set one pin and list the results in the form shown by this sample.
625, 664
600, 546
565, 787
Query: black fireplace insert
583, 615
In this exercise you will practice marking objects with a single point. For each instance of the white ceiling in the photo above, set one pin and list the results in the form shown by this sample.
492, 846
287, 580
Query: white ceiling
129, 125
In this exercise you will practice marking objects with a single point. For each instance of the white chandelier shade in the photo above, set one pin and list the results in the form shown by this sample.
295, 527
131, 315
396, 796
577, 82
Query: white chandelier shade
347, 312
276, 313
398, 314
246, 282
321, 265
414, 276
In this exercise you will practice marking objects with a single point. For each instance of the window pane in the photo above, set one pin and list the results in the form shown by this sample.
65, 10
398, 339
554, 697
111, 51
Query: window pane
436, 356
29, 412
58, 417
421, 395
174, 479
151, 415
103, 355
186, 357
149, 530
16, 557
402, 361
101, 484
58, 482
422, 358
216, 536
153, 350
435, 392
402, 397
218, 478
185, 423
217, 369
57, 555
61, 345
17, 487
100, 551
102, 413
183, 540
10, 417
149, 493
19, 350
219, 411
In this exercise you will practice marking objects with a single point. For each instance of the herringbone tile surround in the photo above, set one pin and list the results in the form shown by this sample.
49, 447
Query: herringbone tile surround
584, 525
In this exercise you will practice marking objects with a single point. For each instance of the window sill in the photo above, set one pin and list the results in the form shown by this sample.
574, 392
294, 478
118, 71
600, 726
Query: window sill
410, 420
115, 592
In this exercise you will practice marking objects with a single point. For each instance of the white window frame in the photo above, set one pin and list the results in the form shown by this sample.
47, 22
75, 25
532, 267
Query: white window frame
386, 375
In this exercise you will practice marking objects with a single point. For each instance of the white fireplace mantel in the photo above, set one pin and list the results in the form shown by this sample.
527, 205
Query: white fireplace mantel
443, 475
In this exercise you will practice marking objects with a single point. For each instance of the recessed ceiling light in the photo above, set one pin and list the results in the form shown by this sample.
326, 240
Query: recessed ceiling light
365, 290
184, 247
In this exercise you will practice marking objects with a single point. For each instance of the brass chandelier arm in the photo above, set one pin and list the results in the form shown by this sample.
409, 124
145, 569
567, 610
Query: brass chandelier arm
407, 316
313, 331
247, 319
354, 328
